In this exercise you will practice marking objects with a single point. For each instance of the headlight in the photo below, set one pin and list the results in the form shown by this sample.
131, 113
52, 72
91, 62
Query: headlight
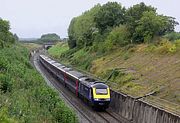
96, 99
108, 99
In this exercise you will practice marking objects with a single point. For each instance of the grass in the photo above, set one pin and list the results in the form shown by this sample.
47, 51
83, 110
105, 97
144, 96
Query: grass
31, 46
24, 95
58, 49
144, 68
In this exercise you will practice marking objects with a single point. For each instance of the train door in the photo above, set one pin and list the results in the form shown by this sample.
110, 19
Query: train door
91, 94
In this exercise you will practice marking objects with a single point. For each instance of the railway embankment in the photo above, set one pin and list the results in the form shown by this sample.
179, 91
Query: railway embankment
140, 71
24, 96
85, 112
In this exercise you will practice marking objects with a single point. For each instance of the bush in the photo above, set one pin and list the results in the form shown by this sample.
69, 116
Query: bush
58, 49
177, 43
119, 36
6, 84
173, 36
166, 47
24, 94
82, 58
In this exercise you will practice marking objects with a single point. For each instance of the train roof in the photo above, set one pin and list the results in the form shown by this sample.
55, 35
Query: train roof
84, 79
51, 61
56, 64
45, 57
75, 74
67, 69
64, 68
89, 81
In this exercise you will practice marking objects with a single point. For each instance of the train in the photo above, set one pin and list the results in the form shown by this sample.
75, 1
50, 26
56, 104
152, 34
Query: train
95, 93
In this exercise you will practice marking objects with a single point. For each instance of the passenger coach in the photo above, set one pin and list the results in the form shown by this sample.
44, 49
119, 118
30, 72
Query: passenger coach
96, 93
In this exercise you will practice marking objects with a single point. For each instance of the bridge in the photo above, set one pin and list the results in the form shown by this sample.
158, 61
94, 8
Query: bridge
48, 45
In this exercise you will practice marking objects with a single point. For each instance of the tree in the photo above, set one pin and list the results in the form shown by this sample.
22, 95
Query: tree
71, 34
119, 36
50, 37
71, 42
81, 28
151, 24
4, 26
6, 37
133, 15
170, 25
16, 37
110, 15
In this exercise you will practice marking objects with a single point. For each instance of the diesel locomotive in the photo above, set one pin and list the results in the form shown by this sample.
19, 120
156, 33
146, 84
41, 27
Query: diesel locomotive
92, 91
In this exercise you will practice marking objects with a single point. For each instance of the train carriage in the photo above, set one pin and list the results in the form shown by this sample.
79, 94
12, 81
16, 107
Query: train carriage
94, 92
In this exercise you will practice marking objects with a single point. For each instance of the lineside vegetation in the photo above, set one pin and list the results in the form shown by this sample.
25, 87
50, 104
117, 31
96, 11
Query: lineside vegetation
138, 39
24, 95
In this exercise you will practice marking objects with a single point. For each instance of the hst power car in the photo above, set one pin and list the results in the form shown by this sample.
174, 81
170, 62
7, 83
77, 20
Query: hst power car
94, 92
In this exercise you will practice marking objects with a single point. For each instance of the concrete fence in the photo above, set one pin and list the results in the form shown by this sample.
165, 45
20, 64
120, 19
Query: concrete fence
139, 111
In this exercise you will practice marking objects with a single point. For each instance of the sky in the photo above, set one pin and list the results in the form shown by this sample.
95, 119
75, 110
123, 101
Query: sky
32, 18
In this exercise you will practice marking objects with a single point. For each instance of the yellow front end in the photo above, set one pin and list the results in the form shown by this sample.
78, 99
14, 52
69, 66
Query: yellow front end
101, 96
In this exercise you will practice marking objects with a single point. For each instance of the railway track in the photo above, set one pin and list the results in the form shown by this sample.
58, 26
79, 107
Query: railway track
85, 113
109, 118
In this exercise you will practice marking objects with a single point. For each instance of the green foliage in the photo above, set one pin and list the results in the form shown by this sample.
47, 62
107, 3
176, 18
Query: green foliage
119, 36
110, 15
82, 28
58, 49
109, 26
100, 46
133, 15
6, 37
177, 43
144, 23
150, 25
49, 37
71, 42
4, 117
166, 46
119, 76
16, 37
6, 84
173, 36
4, 26
23, 93
82, 58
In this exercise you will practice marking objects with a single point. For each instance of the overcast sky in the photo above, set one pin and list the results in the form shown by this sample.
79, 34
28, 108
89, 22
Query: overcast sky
32, 18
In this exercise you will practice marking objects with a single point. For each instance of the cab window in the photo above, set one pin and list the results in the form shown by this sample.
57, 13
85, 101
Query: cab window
101, 91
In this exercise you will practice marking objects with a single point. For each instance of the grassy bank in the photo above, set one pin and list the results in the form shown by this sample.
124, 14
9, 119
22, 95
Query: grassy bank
141, 69
24, 95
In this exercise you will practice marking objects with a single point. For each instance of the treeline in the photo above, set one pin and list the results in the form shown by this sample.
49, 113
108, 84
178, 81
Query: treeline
6, 37
50, 37
45, 38
111, 25
24, 95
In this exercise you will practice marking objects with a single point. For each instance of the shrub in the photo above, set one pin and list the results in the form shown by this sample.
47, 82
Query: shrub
119, 36
24, 94
6, 84
173, 36
166, 47
58, 49
177, 43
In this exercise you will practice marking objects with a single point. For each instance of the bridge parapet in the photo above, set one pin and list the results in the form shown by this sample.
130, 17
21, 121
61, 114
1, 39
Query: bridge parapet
48, 45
